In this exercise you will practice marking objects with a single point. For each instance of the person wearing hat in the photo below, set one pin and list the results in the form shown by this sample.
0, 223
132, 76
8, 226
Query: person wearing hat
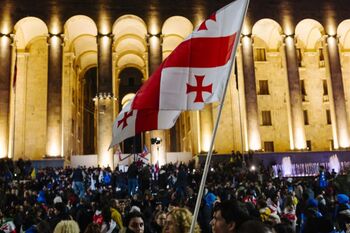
315, 222
343, 212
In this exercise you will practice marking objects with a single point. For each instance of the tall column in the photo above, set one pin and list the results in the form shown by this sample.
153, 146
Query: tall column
104, 102
5, 77
206, 127
158, 151
295, 108
67, 114
251, 102
18, 109
337, 100
54, 97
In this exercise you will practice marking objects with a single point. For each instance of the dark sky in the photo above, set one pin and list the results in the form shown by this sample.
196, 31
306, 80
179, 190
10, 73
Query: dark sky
275, 9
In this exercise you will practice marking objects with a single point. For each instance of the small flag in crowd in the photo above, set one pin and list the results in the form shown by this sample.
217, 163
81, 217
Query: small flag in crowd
131, 122
144, 152
33, 174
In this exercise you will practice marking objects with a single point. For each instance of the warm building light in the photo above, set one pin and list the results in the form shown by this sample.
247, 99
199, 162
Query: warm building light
104, 29
3, 147
54, 149
331, 26
343, 139
105, 42
254, 142
106, 160
246, 30
158, 147
103, 23
299, 138
5, 40
153, 26
54, 25
5, 27
299, 144
154, 44
206, 141
287, 25
55, 41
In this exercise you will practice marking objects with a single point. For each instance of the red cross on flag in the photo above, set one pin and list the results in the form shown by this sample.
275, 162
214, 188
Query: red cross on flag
196, 72
131, 122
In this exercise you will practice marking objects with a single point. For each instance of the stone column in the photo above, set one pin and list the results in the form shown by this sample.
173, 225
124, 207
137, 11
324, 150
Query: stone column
297, 139
54, 97
5, 80
104, 101
18, 115
254, 141
206, 127
67, 111
337, 97
158, 151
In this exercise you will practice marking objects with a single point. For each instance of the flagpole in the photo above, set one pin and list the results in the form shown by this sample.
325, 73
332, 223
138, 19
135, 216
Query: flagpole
210, 152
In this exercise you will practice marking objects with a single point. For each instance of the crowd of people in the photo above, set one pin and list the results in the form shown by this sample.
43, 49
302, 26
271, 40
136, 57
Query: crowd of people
153, 199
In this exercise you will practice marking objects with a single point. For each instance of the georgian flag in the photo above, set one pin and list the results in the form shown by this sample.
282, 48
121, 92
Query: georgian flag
196, 72
131, 122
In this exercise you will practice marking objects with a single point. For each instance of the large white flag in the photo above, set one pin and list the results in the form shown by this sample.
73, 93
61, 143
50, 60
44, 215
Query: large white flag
196, 72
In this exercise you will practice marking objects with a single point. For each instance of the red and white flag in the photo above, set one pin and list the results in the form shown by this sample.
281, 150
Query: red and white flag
196, 72
131, 122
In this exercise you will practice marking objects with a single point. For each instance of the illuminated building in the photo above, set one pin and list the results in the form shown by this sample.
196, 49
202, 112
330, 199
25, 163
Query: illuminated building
68, 67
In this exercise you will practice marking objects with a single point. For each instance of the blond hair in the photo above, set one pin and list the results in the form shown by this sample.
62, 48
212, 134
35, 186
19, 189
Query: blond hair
183, 219
67, 226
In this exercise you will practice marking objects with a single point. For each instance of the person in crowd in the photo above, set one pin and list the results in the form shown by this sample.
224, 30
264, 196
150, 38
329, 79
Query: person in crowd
67, 226
6, 223
283, 228
132, 178
322, 178
59, 214
78, 182
134, 223
343, 212
108, 224
93, 228
179, 220
181, 182
145, 178
158, 222
115, 214
274, 198
83, 214
315, 222
228, 216
43, 227
253, 226
206, 210
289, 212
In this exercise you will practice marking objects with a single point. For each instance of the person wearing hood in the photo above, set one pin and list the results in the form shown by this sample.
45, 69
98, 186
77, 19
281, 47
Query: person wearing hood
41, 197
315, 222
343, 212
